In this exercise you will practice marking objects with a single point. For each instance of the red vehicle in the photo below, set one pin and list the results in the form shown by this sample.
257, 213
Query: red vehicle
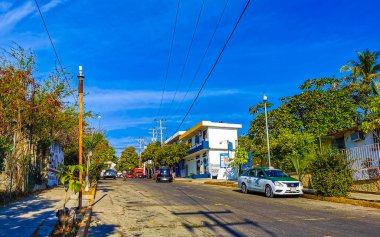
130, 174
138, 173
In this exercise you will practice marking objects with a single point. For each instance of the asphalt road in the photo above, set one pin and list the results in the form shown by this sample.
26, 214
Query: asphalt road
140, 207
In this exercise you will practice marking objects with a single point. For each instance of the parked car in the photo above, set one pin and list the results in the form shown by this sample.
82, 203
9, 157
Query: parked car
138, 173
130, 174
164, 174
269, 181
109, 174
119, 174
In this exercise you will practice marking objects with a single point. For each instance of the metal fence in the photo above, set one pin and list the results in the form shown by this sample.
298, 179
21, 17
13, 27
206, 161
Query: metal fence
364, 161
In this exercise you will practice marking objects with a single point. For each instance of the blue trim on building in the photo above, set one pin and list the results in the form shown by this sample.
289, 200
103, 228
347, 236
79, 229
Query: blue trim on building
204, 145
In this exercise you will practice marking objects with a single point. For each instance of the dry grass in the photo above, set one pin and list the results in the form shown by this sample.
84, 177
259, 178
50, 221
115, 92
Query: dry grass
343, 200
226, 184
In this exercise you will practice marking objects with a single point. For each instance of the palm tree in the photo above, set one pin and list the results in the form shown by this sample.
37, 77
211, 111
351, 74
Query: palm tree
366, 70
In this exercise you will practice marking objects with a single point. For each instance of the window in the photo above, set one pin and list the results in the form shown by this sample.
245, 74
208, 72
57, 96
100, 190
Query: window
189, 141
275, 173
196, 139
252, 173
260, 174
338, 143
204, 134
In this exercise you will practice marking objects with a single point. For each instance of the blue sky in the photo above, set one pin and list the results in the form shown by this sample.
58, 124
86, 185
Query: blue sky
124, 49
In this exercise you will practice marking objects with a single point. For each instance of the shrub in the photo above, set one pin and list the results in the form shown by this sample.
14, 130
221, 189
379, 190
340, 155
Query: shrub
331, 175
95, 171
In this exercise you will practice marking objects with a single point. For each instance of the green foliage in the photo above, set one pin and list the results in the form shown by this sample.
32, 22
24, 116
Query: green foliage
167, 155
129, 159
95, 171
69, 177
241, 158
296, 149
330, 174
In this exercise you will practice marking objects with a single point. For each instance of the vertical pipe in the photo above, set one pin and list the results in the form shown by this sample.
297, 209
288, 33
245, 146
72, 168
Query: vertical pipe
266, 125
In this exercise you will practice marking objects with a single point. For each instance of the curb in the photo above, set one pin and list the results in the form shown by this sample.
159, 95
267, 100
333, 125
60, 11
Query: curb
309, 194
85, 223
355, 202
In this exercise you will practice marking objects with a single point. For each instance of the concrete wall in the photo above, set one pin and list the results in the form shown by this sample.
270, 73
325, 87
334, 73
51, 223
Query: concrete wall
55, 160
218, 135
368, 139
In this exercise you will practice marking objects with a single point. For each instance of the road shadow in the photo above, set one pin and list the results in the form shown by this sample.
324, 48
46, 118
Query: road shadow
212, 222
21, 218
102, 230
99, 199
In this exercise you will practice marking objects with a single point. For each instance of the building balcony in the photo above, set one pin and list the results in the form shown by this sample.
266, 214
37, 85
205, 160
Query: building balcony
198, 147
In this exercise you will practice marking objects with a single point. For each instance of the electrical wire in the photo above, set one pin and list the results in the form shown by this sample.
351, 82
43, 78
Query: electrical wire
55, 51
215, 63
203, 56
170, 57
187, 57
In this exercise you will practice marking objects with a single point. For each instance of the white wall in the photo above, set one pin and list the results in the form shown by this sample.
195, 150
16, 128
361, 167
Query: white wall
368, 139
217, 135
55, 160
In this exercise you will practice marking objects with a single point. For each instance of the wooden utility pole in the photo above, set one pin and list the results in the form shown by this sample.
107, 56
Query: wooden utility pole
80, 132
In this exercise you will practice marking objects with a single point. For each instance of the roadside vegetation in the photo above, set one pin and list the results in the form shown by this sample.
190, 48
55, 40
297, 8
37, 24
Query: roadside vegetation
300, 125
36, 111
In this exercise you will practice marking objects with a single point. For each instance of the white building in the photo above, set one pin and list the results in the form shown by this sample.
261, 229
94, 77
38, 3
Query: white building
56, 158
362, 150
212, 146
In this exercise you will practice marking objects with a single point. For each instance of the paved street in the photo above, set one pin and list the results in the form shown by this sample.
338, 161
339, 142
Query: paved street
145, 208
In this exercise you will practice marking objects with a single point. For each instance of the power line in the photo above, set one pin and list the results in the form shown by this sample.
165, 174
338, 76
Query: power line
187, 57
215, 63
55, 51
170, 57
204, 55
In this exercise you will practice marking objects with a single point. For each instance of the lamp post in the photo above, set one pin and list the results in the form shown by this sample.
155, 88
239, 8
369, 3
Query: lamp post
80, 132
99, 117
266, 125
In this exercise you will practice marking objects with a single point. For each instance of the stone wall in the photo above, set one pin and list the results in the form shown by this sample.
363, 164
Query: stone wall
372, 185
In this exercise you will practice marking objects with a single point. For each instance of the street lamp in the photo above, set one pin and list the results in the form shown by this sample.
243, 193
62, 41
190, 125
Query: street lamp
80, 130
99, 117
266, 125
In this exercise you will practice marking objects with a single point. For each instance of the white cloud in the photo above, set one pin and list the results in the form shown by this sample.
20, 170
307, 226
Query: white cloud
108, 100
52, 4
14, 16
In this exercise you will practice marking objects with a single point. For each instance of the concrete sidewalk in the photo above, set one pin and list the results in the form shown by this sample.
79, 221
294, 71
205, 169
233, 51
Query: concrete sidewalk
24, 217
353, 195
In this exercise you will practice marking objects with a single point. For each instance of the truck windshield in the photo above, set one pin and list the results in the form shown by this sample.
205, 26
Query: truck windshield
275, 173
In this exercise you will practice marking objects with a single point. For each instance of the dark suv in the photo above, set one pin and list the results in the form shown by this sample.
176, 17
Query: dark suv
109, 174
164, 174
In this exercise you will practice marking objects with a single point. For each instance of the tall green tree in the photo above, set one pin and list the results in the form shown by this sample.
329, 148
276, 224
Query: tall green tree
241, 158
129, 159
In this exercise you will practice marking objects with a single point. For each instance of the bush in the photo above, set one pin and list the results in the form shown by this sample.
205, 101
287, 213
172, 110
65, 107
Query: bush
95, 171
331, 175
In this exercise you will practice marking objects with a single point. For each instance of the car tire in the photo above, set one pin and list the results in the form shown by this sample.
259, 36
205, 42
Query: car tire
244, 188
268, 191
114, 177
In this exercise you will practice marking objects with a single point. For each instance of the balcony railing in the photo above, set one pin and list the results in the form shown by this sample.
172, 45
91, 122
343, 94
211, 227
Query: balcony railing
364, 161
198, 147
